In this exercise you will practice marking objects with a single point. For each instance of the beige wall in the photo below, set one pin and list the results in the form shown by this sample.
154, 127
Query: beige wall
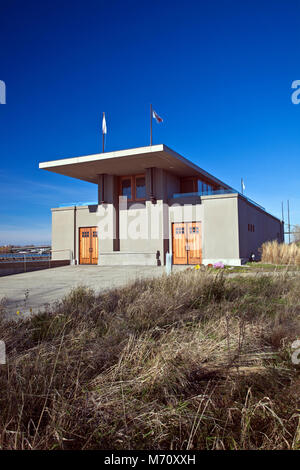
220, 229
266, 226
146, 229
225, 219
62, 233
218, 217
135, 225
141, 227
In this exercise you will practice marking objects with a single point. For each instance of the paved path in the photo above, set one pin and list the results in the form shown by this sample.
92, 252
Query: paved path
46, 286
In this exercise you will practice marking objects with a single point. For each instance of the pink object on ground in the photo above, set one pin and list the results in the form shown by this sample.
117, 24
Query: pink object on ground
219, 264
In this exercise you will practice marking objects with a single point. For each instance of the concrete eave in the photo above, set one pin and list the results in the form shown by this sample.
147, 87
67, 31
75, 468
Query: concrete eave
126, 162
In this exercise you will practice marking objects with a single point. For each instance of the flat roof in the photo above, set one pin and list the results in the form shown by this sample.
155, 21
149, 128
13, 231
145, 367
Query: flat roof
126, 162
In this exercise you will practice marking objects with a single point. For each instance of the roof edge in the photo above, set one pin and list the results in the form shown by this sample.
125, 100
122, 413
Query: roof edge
105, 155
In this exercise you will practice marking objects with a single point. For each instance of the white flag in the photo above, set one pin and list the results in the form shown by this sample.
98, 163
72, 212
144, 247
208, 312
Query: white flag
104, 128
243, 185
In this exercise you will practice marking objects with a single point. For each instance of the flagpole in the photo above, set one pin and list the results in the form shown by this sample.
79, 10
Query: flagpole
103, 135
151, 124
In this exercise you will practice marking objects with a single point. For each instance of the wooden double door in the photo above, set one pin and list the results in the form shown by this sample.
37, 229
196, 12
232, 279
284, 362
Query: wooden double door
88, 245
187, 243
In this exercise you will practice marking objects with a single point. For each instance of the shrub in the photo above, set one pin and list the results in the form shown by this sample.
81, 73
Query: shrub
280, 253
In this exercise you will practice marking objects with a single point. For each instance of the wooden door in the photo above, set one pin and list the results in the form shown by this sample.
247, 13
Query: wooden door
179, 243
187, 243
94, 244
194, 242
88, 245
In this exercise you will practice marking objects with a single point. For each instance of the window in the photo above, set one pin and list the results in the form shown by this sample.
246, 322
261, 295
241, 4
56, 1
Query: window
200, 186
133, 187
188, 185
126, 187
192, 184
140, 187
205, 188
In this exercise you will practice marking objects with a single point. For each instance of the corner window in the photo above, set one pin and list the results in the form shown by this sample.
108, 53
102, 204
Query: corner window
205, 188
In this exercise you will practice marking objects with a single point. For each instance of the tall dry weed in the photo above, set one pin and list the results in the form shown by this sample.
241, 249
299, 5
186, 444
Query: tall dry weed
189, 361
280, 253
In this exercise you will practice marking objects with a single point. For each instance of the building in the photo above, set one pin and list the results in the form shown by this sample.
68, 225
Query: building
151, 201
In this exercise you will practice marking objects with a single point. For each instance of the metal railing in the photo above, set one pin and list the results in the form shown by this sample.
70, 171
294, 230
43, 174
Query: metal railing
77, 204
27, 258
216, 193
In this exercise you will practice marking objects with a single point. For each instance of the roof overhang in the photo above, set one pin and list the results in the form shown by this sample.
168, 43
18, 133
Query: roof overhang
127, 162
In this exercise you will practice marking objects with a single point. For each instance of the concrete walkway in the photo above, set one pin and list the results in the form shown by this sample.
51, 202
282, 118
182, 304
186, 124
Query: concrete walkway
29, 292
34, 290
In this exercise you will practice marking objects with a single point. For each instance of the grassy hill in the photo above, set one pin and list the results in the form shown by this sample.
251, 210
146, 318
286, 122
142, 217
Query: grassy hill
189, 361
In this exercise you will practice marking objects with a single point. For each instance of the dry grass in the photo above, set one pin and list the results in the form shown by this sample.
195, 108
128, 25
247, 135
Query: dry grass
189, 361
280, 253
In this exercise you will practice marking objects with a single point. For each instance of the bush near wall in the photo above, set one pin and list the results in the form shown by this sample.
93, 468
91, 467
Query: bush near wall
280, 253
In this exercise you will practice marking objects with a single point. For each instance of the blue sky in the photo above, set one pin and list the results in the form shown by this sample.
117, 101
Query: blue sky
218, 72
